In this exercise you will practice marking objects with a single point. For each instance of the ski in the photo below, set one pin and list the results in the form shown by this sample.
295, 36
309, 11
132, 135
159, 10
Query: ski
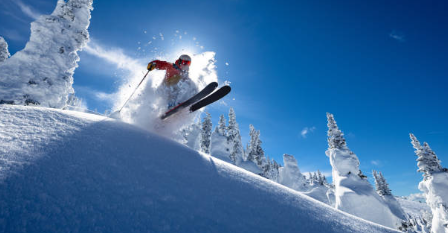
215, 96
203, 93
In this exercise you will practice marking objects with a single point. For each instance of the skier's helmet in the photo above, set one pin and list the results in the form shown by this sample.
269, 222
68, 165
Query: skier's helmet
184, 60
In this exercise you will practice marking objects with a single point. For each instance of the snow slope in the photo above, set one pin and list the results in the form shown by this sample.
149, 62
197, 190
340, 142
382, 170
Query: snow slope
413, 208
65, 171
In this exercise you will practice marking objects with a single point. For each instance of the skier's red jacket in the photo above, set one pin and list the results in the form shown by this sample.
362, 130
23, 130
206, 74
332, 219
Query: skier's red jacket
173, 72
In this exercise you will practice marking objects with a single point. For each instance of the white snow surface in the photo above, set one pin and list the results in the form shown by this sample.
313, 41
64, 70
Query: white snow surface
355, 195
436, 190
64, 171
219, 147
319, 192
413, 208
42, 73
289, 174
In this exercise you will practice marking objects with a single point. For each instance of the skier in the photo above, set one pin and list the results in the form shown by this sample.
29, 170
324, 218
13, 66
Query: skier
176, 86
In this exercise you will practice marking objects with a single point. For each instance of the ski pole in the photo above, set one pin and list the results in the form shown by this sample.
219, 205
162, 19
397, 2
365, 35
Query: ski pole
134, 91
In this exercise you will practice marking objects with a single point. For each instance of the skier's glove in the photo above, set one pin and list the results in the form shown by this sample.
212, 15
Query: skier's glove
151, 66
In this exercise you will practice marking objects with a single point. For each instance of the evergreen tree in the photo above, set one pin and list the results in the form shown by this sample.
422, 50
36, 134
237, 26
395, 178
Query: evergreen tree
50, 58
382, 187
4, 52
335, 136
206, 133
315, 179
255, 152
234, 139
427, 159
325, 182
378, 184
250, 149
310, 179
385, 185
261, 159
221, 129
320, 178
274, 171
266, 168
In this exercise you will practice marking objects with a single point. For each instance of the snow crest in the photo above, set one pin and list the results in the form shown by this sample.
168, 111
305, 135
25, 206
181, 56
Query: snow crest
93, 174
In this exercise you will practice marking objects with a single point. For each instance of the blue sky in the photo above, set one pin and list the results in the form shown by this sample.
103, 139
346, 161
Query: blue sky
379, 66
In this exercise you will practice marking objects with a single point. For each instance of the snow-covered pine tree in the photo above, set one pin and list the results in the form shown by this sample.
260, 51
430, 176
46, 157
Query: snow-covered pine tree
266, 167
221, 129
352, 192
273, 173
315, 178
336, 138
428, 162
378, 184
416, 225
42, 73
234, 139
324, 179
434, 185
219, 147
4, 52
320, 178
206, 133
385, 186
251, 146
310, 178
255, 152
382, 188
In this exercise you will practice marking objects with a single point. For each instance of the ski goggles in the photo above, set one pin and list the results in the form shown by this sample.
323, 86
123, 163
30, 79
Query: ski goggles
184, 62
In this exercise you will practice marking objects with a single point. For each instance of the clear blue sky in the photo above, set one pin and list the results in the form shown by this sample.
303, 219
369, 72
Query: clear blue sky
381, 67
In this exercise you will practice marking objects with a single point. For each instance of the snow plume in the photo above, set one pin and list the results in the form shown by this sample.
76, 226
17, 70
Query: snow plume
353, 192
42, 73
434, 185
150, 99
27, 10
4, 52
117, 57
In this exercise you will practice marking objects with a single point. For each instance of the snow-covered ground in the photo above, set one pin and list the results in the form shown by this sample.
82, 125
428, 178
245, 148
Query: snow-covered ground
413, 208
65, 171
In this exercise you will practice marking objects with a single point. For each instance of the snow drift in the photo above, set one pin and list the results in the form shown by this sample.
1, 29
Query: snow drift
65, 171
